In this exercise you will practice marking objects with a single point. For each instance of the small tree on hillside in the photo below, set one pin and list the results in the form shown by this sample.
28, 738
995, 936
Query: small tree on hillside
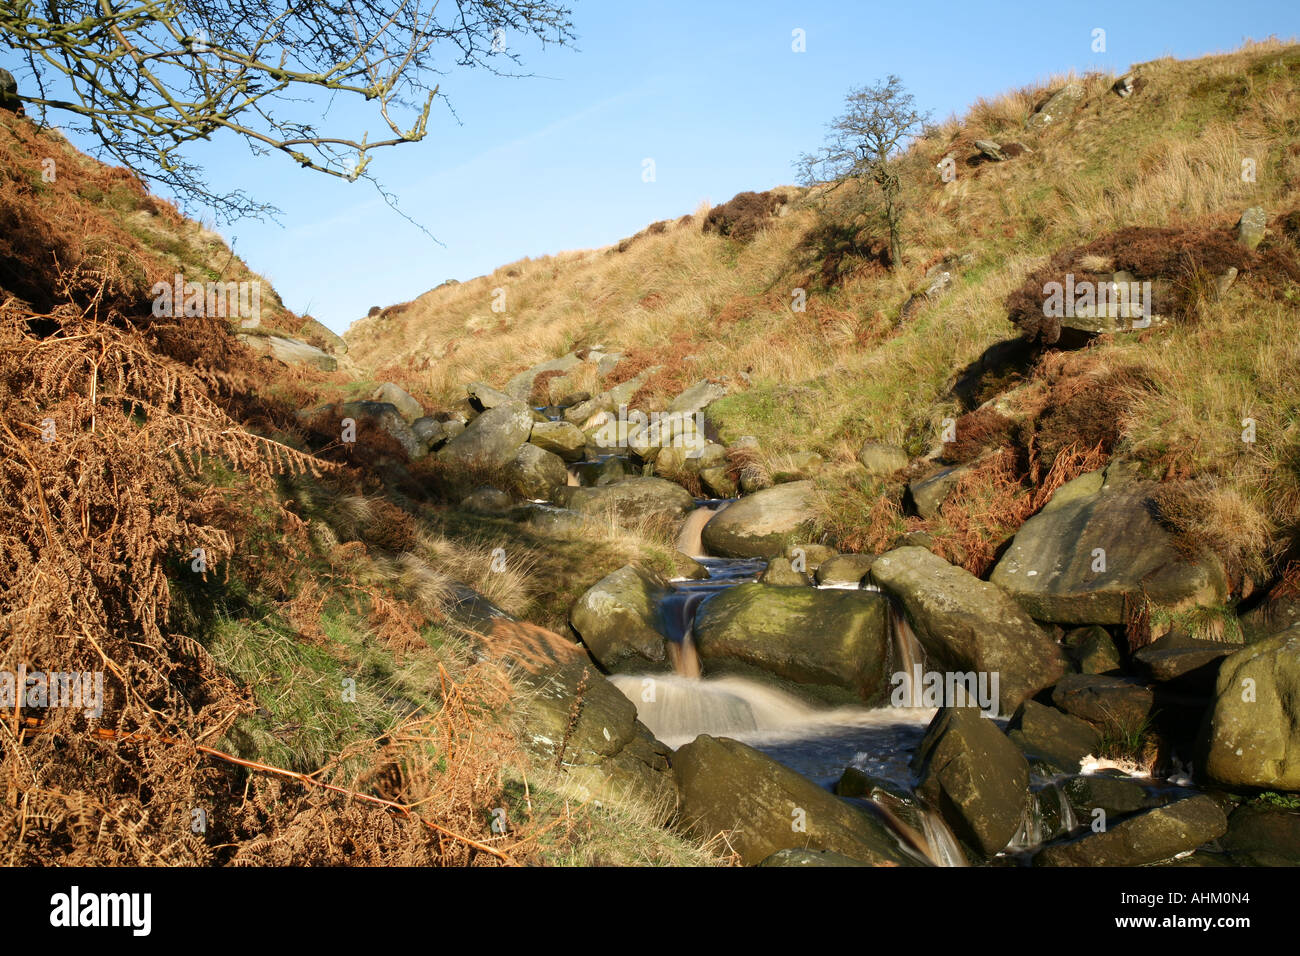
863, 143
149, 77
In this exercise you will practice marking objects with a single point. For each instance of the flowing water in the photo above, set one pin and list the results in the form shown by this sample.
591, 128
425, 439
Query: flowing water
818, 742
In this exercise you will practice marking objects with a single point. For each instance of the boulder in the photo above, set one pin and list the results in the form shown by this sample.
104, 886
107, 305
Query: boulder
833, 644
1149, 837
1262, 834
402, 400
521, 386
492, 438
1190, 664
794, 466
974, 776
990, 150
1253, 731
781, 573
1092, 650
761, 525
1058, 738
1116, 796
966, 624
1251, 227
718, 482
698, 397
1272, 616
808, 556
1104, 701
845, 569
559, 438
429, 432
1058, 105
573, 718
537, 473
926, 495
631, 499
604, 471
291, 351
617, 619
1103, 521
483, 396
881, 459
764, 807
606, 753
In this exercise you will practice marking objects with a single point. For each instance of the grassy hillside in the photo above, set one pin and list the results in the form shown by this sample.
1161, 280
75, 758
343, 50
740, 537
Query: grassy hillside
851, 368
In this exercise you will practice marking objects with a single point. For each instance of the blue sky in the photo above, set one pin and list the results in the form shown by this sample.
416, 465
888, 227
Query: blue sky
711, 91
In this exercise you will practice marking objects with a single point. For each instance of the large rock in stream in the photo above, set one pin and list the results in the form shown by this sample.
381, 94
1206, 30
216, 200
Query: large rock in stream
1150, 837
492, 438
616, 619
974, 776
765, 807
536, 472
833, 643
1096, 549
1253, 731
631, 499
966, 624
761, 525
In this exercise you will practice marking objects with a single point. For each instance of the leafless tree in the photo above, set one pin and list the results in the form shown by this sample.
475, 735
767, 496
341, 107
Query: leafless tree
147, 78
863, 143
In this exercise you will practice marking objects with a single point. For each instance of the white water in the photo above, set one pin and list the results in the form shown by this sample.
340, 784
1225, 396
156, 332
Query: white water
678, 709
944, 849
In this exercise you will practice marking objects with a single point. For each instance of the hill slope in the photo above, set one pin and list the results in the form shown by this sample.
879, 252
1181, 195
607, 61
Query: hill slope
860, 364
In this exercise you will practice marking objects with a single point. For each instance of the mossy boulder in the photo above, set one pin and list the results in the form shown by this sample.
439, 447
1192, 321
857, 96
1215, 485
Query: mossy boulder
1253, 732
493, 438
765, 807
832, 643
1149, 837
617, 620
631, 499
975, 776
1058, 738
1095, 549
763, 524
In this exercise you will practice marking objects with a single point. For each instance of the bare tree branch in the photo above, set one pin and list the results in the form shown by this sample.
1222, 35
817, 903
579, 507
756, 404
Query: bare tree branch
147, 78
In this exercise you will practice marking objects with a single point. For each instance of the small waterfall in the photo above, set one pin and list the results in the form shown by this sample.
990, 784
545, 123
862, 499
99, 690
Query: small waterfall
1068, 820
689, 538
686, 660
909, 655
943, 847
1049, 815
1031, 831
678, 708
